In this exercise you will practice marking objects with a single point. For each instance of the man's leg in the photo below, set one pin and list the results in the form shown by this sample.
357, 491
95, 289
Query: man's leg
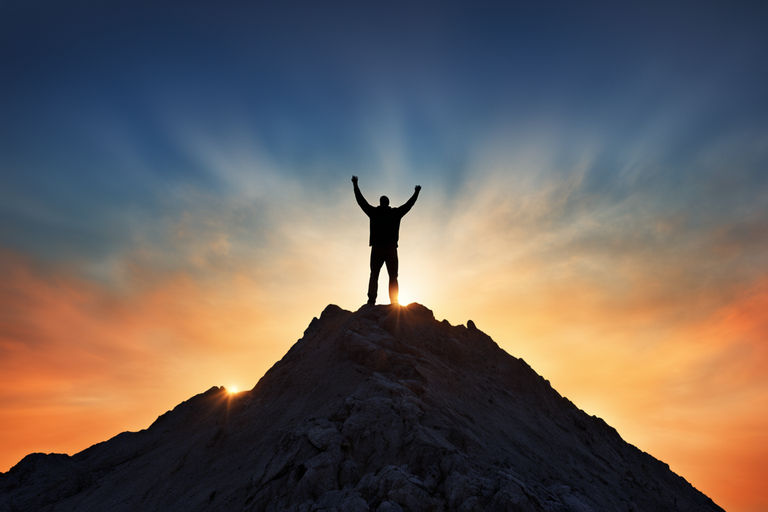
392, 264
377, 260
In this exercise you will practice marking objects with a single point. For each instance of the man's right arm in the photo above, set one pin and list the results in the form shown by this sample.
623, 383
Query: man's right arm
367, 208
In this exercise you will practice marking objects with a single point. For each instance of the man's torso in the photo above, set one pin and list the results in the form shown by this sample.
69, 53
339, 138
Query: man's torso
385, 227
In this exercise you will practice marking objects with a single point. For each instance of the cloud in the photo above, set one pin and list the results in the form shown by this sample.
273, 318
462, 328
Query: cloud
71, 348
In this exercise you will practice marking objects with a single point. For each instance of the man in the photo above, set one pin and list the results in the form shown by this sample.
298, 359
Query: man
385, 231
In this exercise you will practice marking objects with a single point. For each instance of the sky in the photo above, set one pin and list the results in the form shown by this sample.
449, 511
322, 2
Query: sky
176, 205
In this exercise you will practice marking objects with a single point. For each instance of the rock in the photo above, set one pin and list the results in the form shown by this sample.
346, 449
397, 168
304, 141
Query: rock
323, 434
388, 506
382, 409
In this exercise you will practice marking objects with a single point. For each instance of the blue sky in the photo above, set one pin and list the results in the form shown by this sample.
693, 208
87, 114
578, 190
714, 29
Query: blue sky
320, 89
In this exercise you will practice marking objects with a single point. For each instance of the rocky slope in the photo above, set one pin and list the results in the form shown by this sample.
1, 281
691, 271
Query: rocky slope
383, 409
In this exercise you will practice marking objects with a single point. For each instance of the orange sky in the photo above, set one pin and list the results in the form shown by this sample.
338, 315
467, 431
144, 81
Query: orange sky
670, 355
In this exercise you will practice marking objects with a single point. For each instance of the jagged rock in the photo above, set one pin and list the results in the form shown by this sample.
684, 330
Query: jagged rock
385, 409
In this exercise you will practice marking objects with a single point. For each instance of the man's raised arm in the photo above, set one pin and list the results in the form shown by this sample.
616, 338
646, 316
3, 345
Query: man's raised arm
367, 208
409, 203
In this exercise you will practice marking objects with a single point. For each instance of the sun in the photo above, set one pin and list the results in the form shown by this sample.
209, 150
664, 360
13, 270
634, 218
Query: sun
406, 295
232, 389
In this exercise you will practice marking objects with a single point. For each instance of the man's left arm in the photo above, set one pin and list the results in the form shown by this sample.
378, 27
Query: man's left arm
409, 204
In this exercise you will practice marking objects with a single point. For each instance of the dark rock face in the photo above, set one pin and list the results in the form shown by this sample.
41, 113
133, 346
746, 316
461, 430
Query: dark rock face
385, 409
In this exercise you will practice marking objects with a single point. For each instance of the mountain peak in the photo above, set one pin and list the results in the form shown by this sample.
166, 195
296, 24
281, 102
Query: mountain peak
382, 409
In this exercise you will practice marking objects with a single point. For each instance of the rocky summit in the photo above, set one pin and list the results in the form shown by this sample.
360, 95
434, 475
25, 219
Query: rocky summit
382, 409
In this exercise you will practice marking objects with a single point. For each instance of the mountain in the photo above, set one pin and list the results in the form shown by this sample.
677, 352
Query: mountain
383, 409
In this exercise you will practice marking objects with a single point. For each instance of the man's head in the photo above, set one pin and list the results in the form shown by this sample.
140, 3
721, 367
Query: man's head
383, 201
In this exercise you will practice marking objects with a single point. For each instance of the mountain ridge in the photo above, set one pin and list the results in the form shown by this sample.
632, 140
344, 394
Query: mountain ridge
383, 409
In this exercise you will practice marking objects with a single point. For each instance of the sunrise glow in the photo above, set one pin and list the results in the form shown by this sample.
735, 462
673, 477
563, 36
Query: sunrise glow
406, 296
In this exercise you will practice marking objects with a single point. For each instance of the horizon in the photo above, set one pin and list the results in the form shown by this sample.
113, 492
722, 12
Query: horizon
176, 206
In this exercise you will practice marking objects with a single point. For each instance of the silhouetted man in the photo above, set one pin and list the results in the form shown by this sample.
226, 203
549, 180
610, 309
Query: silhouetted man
385, 231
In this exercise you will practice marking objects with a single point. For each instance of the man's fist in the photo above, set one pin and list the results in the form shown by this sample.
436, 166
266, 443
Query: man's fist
354, 179
418, 188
